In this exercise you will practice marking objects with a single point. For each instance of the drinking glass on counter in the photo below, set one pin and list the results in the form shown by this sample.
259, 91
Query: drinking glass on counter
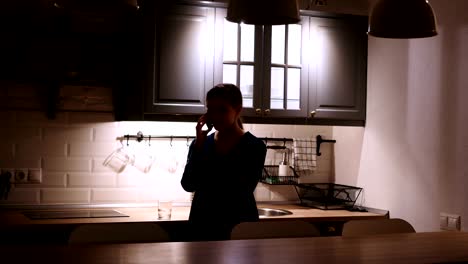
164, 210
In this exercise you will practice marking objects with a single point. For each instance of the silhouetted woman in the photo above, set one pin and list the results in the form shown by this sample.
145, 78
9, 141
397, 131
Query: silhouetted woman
223, 168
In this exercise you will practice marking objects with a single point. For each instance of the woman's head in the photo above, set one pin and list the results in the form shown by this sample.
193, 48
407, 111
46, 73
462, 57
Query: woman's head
224, 104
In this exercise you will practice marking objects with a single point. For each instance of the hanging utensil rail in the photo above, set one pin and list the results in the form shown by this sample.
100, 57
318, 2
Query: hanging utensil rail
140, 137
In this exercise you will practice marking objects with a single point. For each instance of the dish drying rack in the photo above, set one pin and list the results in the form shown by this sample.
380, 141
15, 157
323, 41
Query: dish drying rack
327, 196
270, 176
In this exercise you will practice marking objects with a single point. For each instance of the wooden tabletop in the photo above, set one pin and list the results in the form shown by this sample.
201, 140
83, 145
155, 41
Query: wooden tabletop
396, 248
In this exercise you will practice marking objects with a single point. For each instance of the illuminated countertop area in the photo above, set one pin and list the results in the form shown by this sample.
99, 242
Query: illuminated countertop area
181, 213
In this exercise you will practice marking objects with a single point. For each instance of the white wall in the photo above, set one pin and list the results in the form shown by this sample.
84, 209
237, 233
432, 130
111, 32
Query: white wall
412, 156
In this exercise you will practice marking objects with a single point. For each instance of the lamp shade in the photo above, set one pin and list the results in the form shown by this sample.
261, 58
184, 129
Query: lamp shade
402, 19
263, 12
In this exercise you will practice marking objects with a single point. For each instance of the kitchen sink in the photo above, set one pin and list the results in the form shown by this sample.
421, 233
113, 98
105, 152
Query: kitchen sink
268, 212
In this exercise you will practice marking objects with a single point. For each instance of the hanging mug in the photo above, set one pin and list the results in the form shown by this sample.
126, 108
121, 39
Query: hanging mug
143, 162
118, 160
143, 158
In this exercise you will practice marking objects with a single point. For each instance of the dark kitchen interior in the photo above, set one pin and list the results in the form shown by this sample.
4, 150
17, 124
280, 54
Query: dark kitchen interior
366, 133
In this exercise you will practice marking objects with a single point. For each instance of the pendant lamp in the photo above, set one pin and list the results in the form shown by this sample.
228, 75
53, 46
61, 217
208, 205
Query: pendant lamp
263, 12
402, 19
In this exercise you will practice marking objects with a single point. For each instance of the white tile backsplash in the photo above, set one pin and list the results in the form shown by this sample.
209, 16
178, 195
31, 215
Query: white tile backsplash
20, 162
68, 134
65, 195
91, 180
98, 166
127, 180
262, 192
14, 133
22, 196
114, 195
71, 150
106, 132
261, 130
35, 148
54, 179
283, 193
67, 164
91, 149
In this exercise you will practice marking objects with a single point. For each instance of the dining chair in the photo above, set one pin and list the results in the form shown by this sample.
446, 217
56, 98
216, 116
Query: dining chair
274, 229
376, 227
118, 233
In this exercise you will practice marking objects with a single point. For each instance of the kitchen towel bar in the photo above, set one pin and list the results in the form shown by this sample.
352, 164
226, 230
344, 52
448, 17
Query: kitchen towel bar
320, 140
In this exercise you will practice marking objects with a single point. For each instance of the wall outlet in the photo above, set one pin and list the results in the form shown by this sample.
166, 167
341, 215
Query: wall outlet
35, 175
21, 175
450, 222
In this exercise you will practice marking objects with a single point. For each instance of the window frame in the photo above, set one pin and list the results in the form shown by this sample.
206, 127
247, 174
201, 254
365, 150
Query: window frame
262, 72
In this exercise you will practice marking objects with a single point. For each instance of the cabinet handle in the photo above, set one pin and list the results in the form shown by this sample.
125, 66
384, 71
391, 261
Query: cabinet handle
312, 114
258, 111
267, 111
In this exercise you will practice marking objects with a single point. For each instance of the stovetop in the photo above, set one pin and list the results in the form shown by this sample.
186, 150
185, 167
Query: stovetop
65, 214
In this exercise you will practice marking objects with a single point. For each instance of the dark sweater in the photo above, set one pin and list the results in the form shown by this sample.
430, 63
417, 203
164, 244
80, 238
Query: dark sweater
223, 186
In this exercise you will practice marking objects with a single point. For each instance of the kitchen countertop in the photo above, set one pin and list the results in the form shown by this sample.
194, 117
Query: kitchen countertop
13, 218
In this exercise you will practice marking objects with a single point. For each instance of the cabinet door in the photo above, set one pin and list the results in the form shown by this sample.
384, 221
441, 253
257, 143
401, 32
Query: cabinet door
338, 69
238, 60
183, 61
268, 65
285, 80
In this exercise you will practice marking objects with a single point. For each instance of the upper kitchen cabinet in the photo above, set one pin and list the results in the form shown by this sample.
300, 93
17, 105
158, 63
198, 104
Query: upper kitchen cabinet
60, 47
183, 59
66, 41
313, 72
196, 48
338, 68
268, 65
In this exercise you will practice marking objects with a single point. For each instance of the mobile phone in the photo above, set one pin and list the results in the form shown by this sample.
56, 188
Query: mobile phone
207, 126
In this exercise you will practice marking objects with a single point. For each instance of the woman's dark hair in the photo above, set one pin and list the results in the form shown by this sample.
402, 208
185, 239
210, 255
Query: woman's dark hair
228, 92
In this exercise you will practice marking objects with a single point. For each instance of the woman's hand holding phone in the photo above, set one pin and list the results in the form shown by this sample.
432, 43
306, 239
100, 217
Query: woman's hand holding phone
202, 130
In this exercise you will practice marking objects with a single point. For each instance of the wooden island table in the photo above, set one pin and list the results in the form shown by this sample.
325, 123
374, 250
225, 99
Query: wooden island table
437, 247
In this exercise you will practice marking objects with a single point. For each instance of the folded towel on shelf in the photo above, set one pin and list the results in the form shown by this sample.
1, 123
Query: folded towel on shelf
305, 157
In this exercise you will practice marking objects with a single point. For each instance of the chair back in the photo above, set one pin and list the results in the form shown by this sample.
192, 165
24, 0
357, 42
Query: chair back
376, 227
118, 233
274, 229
